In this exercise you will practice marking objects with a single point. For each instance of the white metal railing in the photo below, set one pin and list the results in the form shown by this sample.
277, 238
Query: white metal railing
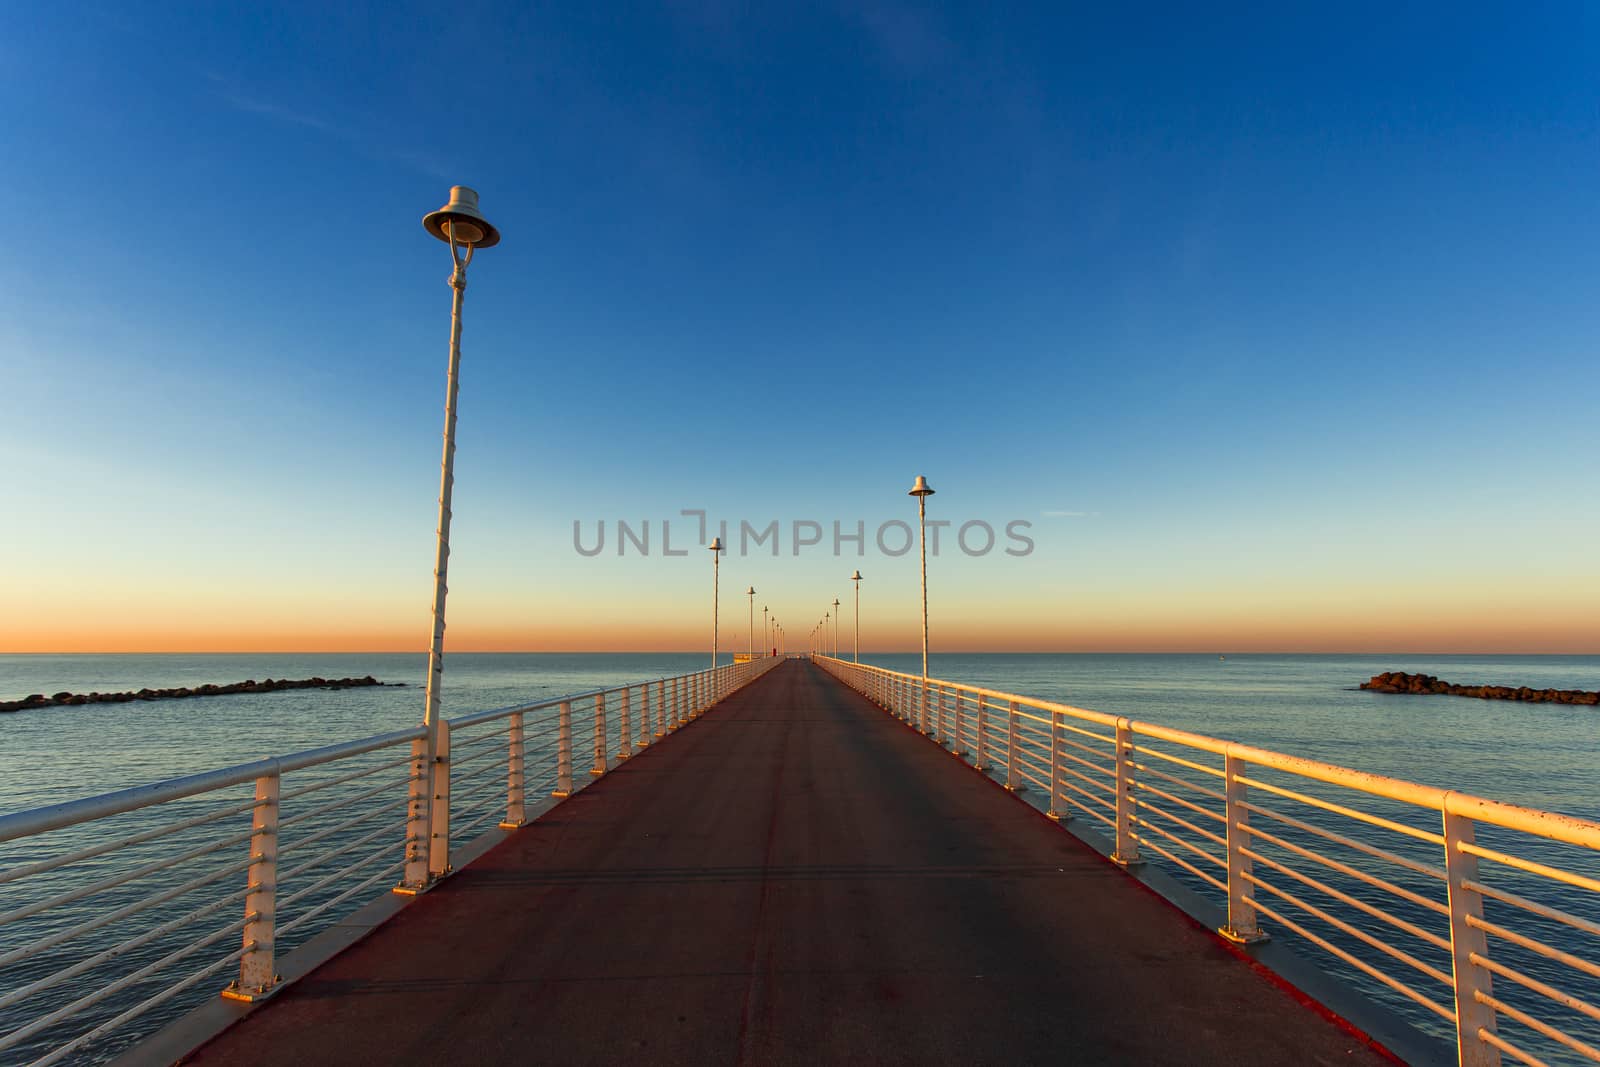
113, 907
1479, 919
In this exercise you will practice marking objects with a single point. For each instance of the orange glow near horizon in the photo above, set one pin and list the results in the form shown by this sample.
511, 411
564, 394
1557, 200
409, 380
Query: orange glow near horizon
1432, 631
1527, 614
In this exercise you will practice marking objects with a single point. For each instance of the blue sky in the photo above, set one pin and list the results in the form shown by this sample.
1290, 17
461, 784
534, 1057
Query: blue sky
1292, 311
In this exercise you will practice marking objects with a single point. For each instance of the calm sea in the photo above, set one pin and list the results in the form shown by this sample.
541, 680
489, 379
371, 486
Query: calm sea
1545, 756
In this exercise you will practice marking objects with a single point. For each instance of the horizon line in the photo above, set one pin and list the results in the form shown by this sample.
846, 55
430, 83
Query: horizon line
842, 655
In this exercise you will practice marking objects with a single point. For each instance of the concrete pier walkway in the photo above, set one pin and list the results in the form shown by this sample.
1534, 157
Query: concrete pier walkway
796, 878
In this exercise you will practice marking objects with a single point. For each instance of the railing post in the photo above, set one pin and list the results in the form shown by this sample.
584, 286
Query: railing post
1242, 925
625, 742
439, 835
677, 704
564, 751
515, 815
644, 715
961, 720
1472, 980
415, 879
257, 975
1013, 779
982, 762
940, 733
1127, 851
922, 708
601, 763
1053, 811
661, 708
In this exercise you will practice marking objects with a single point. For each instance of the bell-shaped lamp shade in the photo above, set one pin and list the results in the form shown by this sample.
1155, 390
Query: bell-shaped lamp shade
715, 545
921, 488
855, 576
462, 218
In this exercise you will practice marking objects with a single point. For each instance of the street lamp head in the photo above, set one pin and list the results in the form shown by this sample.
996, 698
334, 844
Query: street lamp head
751, 591
921, 488
462, 219
855, 576
715, 545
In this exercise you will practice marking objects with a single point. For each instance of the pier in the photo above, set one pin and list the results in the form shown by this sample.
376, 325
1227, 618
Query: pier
801, 879
796, 860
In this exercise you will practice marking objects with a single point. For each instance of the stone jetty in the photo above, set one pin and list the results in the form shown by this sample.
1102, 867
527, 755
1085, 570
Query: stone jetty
39, 700
1427, 684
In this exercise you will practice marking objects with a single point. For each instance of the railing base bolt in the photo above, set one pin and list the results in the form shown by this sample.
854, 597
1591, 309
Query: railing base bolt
1229, 934
233, 992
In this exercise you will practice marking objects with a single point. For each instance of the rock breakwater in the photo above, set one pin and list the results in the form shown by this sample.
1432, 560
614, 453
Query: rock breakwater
1427, 684
270, 685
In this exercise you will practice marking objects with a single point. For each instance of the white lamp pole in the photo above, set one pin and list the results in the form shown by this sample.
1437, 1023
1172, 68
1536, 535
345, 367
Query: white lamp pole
750, 637
766, 634
856, 577
460, 225
922, 491
835, 627
716, 576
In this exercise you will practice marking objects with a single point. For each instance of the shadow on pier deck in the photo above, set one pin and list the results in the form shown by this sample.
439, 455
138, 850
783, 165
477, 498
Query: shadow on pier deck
798, 878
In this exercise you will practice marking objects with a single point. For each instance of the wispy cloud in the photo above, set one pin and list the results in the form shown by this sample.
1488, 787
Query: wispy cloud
907, 37
283, 114
366, 143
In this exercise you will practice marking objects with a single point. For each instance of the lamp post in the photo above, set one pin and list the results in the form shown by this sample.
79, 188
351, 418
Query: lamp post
766, 634
922, 491
750, 637
835, 627
716, 576
460, 225
825, 617
856, 578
